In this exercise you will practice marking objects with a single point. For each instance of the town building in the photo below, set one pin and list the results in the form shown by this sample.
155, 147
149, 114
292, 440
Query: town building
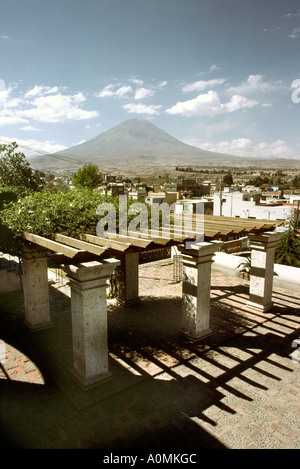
192, 188
254, 204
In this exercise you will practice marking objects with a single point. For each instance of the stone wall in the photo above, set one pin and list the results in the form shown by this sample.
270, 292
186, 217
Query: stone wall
9, 281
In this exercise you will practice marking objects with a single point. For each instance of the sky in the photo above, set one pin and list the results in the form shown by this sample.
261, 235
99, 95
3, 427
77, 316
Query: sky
222, 75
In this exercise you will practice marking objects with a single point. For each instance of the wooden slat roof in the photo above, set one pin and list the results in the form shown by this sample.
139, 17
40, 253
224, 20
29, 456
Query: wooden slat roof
222, 227
65, 249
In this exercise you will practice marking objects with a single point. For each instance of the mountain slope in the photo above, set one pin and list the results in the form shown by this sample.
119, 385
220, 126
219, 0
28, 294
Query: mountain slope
130, 142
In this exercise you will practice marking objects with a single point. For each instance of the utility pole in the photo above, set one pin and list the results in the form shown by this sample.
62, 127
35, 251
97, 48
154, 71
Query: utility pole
221, 197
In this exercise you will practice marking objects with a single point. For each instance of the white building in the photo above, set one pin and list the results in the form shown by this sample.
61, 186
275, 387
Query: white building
155, 199
294, 199
189, 206
249, 205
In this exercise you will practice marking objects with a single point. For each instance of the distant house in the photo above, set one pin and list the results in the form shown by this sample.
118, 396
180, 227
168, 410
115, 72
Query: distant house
116, 189
170, 187
109, 178
192, 188
250, 205
155, 198
139, 192
294, 199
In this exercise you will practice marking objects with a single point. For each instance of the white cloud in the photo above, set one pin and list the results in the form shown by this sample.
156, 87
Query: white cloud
114, 90
292, 15
295, 33
209, 104
162, 84
276, 28
12, 120
244, 147
254, 83
238, 102
41, 91
106, 92
141, 93
212, 68
8, 106
133, 86
5, 97
43, 104
32, 147
30, 128
140, 108
203, 84
58, 108
136, 81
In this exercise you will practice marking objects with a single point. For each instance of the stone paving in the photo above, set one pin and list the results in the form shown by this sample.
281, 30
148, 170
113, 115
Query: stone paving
237, 389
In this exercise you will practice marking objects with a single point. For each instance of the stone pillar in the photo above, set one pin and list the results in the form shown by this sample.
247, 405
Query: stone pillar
262, 269
196, 289
36, 288
128, 279
89, 320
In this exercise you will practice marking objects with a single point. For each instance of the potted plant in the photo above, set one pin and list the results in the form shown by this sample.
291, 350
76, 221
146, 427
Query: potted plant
245, 267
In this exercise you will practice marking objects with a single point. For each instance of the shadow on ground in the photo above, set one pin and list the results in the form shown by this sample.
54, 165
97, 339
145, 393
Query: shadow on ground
164, 390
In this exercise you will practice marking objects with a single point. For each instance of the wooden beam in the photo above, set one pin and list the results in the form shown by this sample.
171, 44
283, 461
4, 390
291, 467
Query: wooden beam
138, 242
53, 245
169, 235
110, 243
83, 245
151, 236
82, 256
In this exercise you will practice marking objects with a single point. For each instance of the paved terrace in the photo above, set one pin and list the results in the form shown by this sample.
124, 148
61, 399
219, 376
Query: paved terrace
237, 389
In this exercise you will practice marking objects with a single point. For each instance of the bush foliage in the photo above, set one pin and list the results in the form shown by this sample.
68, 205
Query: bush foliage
46, 213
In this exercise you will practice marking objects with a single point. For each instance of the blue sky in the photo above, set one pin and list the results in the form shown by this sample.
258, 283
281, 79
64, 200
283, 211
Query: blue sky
219, 74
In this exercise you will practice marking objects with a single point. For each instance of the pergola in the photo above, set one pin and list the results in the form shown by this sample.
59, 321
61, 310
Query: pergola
89, 261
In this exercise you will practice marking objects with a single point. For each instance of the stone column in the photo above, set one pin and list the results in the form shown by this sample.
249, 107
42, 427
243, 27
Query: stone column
196, 289
262, 269
128, 279
36, 288
89, 320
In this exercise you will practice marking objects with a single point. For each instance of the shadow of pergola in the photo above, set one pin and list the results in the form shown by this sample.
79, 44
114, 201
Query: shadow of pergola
163, 386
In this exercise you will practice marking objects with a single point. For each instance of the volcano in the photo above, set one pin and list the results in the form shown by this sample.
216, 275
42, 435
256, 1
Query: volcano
133, 142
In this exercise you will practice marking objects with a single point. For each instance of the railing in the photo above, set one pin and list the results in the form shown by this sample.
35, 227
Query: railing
153, 255
235, 246
177, 267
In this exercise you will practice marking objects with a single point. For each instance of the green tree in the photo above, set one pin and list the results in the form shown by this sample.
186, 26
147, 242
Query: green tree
277, 179
228, 179
16, 173
295, 182
258, 181
87, 176
288, 250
